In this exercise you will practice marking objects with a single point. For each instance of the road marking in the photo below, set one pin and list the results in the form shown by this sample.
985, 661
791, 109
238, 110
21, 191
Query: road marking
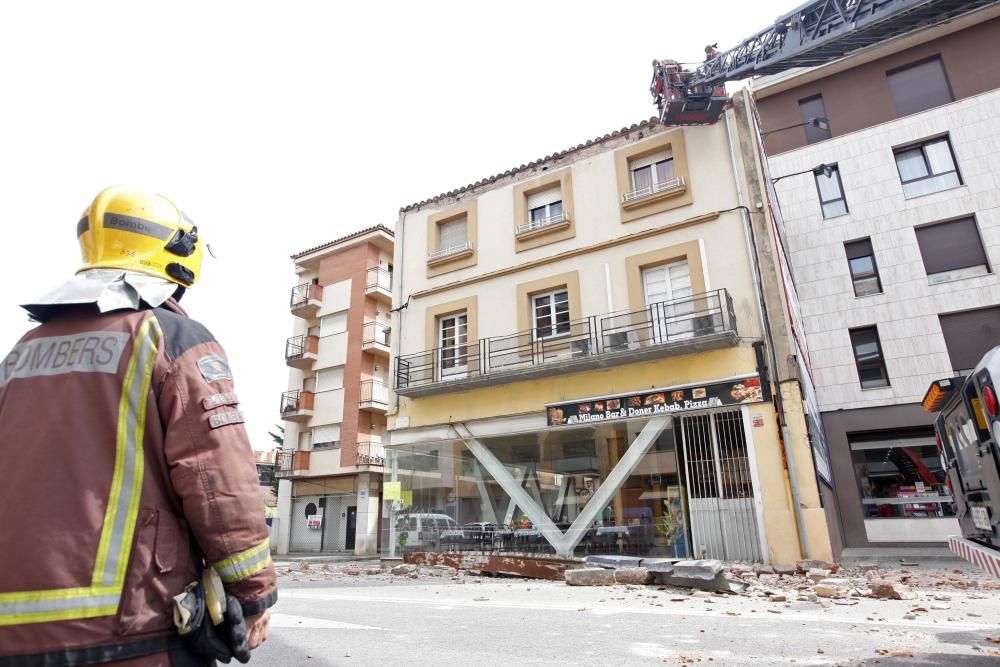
311, 623
791, 615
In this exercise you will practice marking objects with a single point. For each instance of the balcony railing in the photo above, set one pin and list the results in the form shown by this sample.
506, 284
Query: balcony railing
370, 454
653, 189
301, 349
543, 223
306, 299
378, 279
373, 392
374, 333
701, 321
296, 403
283, 463
445, 253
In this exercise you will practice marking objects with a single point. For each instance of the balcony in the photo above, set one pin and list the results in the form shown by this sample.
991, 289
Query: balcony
375, 338
306, 300
449, 253
681, 326
653, 192
301, 351
536, 227
290, 463
378, 284
374, 396
297, 406
370, 454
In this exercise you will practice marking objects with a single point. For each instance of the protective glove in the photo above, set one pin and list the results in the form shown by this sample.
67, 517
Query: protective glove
223, 642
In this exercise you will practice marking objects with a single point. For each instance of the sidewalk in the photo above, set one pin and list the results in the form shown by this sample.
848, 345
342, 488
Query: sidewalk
313, 558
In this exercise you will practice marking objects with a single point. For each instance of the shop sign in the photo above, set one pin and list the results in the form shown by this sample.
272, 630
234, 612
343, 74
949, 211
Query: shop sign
657, 401
758, 421
315, 521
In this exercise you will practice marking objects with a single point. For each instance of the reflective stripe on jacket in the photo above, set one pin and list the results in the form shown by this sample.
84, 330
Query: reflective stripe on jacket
128, 467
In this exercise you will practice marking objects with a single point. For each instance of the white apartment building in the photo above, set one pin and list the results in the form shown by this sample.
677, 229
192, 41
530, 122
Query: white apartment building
893, 230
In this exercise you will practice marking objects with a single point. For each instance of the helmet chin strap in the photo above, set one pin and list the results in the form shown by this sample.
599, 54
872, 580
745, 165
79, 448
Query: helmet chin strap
179, 293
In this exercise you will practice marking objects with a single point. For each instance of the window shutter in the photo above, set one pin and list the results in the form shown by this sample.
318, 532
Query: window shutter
327, 433
639, 163
918, 87
950, 245
862, 248
970, 335
453, 233
330, 378
544, 197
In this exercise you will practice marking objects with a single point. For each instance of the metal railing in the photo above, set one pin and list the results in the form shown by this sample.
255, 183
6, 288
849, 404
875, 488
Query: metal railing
652, 189
295, 347
375, 332
373, 391
284, 463
302, 293
290, 401
449, 251
661, 323
377, 278
535, 225
370, 453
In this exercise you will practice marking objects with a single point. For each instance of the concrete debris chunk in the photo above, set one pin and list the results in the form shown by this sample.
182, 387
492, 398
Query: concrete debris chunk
404, 569
719, 582
804, 566
761, 568
768, 579
590, 576
705, 569
891, 590
818, 574
613, 560
786, 570
833, 588
867, 567
633, 575
441, 570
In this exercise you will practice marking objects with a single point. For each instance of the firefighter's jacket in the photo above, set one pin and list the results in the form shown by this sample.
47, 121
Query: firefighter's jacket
126, 470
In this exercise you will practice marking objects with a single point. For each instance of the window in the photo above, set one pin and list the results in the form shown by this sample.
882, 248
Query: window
868, 356
453, 330
952, 250
550, 314
900, 476
919, 86
333, 324
330, 379
864, 271
653, 173
544, 208
927, 167
326, 437
668, 290
809, 108
831, 192
969, 335
453, 234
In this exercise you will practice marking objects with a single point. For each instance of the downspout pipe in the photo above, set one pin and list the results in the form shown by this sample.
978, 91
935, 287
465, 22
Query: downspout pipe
397, 311
750, 237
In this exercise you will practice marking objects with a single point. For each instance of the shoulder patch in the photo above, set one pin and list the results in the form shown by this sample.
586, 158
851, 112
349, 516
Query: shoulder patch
226, 418
213, 367
180, 333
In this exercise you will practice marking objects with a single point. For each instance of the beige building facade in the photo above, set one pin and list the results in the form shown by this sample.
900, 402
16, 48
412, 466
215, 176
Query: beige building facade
330, 467
580, 362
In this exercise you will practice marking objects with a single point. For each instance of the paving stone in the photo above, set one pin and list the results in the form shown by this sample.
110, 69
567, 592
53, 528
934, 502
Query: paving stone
590, 576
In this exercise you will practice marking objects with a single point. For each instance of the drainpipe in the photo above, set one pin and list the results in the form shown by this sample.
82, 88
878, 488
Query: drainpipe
750, 238
397, 326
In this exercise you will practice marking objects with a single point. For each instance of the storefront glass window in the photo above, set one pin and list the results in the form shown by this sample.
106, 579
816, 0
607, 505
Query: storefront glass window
901, 478
452, 498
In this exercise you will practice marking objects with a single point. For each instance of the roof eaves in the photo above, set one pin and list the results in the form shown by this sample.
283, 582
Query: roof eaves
342, 239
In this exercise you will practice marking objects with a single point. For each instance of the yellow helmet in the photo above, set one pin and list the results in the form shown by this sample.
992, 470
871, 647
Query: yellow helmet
139, 231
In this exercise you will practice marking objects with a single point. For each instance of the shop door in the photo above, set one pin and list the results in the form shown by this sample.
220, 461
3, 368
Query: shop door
668, 292
352, 525
720, 491
305, 527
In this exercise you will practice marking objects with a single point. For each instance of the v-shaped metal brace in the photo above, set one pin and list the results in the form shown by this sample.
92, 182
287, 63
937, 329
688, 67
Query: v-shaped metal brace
565, 543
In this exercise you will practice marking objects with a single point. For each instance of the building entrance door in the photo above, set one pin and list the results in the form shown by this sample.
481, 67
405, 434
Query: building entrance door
352, 525
720, 489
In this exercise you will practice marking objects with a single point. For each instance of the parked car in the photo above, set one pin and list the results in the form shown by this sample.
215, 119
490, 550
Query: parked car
425, 531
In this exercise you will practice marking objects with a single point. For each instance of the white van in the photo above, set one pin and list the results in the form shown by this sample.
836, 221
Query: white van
425, 530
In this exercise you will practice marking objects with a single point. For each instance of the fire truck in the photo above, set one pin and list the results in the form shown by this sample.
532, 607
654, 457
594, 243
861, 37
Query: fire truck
967, 430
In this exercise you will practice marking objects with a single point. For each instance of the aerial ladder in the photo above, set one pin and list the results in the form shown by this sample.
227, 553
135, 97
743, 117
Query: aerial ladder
816, 33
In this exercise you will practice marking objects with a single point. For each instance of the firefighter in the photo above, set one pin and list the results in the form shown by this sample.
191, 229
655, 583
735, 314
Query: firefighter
128, 472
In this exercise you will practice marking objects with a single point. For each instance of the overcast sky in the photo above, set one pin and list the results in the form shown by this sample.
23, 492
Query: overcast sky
278, 126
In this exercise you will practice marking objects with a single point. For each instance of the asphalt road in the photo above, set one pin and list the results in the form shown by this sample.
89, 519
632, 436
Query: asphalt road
325, 620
